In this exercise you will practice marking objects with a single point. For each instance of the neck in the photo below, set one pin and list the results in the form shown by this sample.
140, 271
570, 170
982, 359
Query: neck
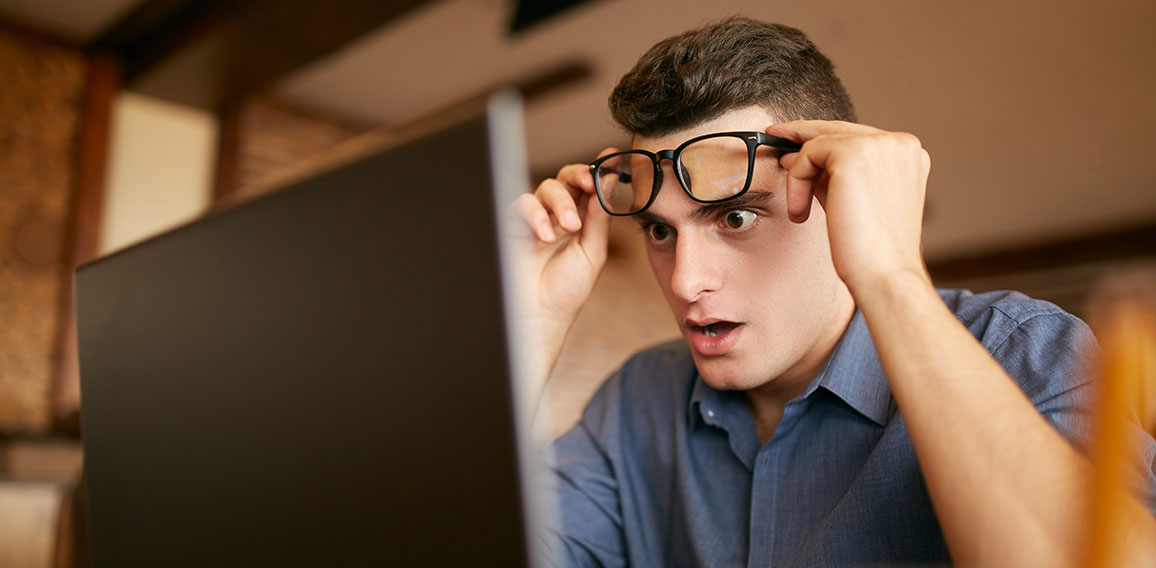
767, 401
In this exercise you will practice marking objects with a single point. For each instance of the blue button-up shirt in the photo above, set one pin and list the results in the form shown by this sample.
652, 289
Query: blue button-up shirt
663, 470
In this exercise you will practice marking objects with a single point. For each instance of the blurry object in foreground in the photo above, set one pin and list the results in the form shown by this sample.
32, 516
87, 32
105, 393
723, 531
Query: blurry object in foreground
1123, 314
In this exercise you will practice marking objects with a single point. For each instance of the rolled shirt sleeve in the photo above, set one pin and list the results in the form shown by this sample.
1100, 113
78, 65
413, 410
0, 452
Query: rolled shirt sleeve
1054, 357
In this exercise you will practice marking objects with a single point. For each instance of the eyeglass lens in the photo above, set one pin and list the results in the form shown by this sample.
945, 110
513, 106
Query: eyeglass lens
713, 169
625, 182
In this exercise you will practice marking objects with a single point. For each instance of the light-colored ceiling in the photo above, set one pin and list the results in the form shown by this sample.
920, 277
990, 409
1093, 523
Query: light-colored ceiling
1038, 114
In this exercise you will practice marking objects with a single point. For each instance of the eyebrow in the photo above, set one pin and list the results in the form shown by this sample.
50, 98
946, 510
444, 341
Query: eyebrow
711, 209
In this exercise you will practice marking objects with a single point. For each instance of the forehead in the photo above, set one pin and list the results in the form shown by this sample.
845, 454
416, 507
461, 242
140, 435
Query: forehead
748, 118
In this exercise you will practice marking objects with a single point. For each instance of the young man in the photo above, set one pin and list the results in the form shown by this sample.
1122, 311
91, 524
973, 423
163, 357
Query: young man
828, 406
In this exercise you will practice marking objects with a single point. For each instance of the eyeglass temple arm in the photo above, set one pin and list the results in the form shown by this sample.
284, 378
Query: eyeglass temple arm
783, 144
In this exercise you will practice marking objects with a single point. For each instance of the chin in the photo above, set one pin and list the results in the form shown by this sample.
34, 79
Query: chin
727, 375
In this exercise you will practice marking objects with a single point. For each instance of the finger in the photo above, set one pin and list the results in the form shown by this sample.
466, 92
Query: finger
808, 164
578, 178
596, 235
536, 216
804, 130
805, 169
559, 200
799, 192
608, 150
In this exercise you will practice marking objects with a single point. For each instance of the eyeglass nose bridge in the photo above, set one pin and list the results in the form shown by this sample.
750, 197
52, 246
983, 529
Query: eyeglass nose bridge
674, 167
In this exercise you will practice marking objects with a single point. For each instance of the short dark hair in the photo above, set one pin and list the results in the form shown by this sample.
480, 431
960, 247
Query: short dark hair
739, 62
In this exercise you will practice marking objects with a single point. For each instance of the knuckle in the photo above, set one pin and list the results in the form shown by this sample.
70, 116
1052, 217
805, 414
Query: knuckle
526, 204
556, 194
893, 143
534, 214
574, 171
909, 140
552, 192
870, 143
543, 187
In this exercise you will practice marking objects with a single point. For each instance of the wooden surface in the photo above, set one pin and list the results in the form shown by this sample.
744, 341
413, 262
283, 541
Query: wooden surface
40, 113
82, 231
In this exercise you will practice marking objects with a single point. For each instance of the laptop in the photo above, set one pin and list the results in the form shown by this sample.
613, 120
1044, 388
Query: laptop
323, 376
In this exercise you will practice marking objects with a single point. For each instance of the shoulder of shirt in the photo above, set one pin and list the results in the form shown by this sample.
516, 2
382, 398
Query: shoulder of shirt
668, 353
1045, 349
660, 366
970, 307
655, 379
993, 316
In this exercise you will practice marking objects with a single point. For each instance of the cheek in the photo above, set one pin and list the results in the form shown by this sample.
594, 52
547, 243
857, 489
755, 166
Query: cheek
790, 259
814, 241
662, 265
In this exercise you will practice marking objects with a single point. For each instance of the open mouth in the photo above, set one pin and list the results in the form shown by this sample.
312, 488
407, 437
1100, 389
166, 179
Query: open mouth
714, 338
718, 328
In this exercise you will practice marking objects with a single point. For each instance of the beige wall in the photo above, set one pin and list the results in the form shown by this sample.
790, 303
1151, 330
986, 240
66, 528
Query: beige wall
161, 165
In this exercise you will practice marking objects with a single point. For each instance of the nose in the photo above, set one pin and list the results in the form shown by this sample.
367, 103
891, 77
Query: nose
697, 271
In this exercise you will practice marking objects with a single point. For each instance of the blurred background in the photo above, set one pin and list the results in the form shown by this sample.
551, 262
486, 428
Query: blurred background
120, 119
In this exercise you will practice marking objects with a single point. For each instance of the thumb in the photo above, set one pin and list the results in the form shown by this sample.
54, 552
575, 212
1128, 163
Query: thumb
595, 230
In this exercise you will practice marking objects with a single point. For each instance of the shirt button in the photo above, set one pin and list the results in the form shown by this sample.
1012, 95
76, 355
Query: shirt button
710, 413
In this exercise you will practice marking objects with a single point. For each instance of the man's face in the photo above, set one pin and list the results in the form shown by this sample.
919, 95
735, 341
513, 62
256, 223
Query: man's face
755, 295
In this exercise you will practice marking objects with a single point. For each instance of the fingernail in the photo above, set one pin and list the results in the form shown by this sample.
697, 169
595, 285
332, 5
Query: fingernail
572, 219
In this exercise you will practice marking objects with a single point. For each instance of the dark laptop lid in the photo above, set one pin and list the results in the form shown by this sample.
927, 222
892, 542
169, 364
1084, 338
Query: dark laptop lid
318, 377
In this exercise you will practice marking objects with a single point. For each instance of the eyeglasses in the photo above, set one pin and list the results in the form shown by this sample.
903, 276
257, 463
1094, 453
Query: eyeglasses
710, 168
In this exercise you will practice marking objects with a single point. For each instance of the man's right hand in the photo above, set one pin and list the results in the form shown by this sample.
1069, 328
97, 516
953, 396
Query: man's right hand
570, 232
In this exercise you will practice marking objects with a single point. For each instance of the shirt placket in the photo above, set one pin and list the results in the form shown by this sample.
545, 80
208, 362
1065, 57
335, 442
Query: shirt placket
766, 483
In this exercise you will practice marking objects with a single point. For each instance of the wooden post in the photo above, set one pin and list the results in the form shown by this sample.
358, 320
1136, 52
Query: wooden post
83, 236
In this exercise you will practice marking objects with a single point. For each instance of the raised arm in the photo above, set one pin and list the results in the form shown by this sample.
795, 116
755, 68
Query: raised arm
1007, 488
570, 232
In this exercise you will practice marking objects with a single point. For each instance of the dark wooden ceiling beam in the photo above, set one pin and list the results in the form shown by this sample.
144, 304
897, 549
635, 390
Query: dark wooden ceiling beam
1124, 243
211, 53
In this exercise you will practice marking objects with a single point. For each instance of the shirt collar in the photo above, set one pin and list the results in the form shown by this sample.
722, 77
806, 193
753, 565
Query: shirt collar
853, 373
726, 410
711, 405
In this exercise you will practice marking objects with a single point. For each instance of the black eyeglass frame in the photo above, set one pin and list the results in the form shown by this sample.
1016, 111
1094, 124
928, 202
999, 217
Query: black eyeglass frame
752, 138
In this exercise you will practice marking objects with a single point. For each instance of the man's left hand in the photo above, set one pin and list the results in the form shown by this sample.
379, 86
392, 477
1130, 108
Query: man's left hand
871, 183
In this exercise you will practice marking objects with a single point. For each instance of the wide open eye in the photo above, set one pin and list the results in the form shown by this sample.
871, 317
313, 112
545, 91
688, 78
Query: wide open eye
739, 218
657, 232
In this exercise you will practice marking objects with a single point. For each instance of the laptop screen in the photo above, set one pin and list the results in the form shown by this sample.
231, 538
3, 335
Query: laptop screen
320, 376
